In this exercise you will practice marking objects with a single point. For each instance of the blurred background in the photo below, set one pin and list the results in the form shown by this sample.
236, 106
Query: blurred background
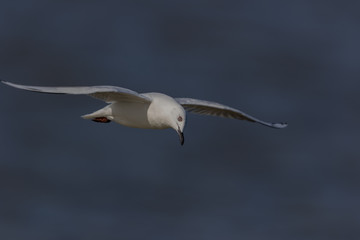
62, 177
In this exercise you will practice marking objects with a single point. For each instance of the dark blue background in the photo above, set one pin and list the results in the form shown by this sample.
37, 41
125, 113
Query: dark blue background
62, 177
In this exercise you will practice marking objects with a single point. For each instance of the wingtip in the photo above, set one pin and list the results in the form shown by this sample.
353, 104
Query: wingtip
6, 82
279, 125
3, 81
10, 84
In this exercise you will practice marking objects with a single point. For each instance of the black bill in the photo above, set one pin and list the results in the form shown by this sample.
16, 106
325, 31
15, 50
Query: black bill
181, 135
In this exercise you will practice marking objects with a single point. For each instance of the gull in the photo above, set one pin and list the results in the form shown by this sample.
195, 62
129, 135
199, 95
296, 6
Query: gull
146, 110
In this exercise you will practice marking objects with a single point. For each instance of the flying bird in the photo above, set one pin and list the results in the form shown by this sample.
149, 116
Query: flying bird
146, 110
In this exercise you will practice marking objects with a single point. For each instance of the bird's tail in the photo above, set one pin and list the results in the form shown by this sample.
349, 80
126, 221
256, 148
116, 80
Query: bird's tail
100, 115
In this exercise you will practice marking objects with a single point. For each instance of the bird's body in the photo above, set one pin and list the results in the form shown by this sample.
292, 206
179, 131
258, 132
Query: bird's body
137, 114
146, 110
124, 113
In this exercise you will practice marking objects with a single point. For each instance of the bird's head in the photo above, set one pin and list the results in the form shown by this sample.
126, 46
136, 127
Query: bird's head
166, 112
178, 119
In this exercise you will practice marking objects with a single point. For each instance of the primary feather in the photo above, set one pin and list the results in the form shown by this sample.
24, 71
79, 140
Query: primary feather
104, 93
216, 109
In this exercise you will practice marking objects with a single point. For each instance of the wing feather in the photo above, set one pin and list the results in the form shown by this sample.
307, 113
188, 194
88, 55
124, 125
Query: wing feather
216, 109
104, 93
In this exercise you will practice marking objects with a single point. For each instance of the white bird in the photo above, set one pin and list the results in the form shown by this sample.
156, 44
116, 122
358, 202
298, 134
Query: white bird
146, 110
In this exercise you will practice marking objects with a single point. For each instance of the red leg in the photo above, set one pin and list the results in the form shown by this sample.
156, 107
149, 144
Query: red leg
101, 120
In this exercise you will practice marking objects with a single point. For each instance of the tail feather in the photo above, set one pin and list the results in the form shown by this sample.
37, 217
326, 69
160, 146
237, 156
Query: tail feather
102, 113
88, 116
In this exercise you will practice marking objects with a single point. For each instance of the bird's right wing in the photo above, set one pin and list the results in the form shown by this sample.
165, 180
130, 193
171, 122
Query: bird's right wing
105, 93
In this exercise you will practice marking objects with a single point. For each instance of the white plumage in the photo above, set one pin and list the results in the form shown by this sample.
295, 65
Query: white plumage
147, 110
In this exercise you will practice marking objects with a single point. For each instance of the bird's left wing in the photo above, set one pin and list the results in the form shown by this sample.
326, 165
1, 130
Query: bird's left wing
217, 109
104, 93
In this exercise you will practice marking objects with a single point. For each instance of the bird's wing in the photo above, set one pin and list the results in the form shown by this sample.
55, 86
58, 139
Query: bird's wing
105, 93
217, 109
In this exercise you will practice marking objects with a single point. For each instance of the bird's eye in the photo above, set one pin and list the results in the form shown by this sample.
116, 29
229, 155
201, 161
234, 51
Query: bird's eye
180, 119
